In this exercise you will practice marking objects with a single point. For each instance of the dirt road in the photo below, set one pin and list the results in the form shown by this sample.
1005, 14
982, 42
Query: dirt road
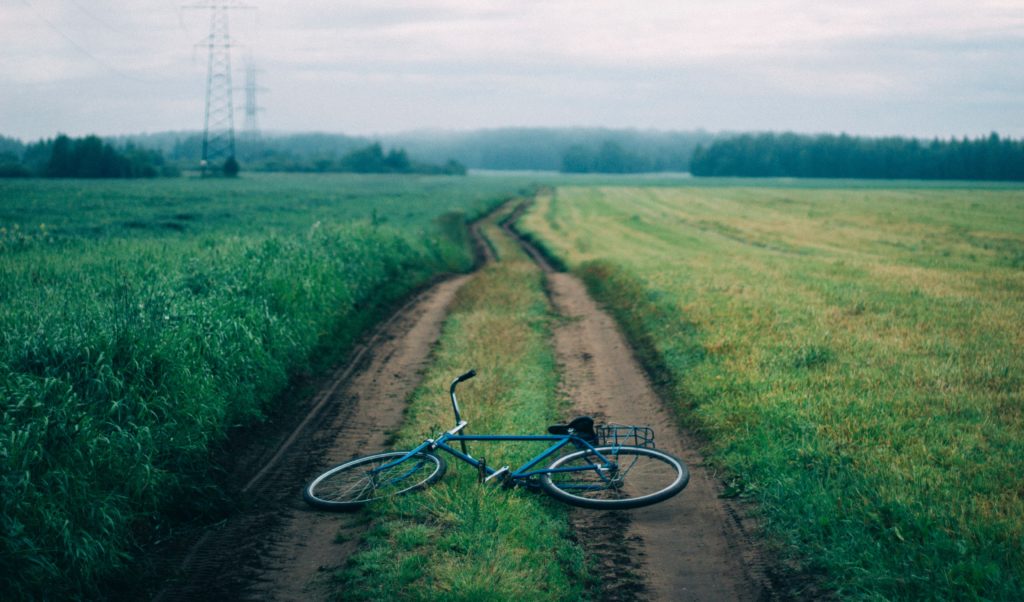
276, 549
695, 546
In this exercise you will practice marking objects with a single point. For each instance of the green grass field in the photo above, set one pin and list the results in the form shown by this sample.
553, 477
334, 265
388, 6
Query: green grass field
255, 203
142, 321
850, 351
853, 356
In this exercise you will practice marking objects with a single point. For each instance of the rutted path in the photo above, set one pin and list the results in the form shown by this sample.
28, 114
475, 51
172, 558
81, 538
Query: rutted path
695, 546
692, 547
275, 550
375, 400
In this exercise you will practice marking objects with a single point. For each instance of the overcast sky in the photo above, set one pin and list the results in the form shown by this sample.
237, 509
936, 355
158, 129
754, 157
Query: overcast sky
874, 67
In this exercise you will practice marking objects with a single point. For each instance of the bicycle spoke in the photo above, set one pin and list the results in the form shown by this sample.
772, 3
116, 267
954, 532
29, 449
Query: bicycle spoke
352, 488
362, 480
626, 475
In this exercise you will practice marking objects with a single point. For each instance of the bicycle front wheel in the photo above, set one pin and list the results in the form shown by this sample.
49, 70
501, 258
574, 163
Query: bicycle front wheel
358, 482
630, 478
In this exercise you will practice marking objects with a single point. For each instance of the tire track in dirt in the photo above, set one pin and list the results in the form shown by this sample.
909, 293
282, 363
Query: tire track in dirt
695, 546
275, 547
312, 542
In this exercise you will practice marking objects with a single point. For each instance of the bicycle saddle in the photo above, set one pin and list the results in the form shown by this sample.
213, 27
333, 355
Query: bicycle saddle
582, 427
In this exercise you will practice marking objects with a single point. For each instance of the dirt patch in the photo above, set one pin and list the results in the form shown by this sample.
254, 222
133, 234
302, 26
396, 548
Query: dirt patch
374, 399
695, 546
275, 547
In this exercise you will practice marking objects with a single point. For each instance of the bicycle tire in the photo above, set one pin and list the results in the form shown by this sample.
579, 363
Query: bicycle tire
642, 477
352, 485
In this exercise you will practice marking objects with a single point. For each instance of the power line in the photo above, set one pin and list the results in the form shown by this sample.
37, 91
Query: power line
85, 51
93, 16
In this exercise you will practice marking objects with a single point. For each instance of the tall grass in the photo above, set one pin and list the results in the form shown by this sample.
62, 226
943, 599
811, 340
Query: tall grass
254, 203
852, 355
125, 361
459, 540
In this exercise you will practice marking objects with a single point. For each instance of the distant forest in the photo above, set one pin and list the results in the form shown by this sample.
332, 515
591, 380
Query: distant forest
830, 156
373, 159
314, 152
528, 149
87, 157
569, 150
562, 149
145, 157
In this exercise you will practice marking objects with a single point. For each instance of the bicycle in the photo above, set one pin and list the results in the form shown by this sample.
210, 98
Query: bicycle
613, 467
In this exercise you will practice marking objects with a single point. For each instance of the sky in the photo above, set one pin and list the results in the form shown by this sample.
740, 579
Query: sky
935, 68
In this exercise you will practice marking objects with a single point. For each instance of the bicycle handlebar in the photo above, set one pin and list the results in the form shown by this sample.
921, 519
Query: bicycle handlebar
459, 379
455, 402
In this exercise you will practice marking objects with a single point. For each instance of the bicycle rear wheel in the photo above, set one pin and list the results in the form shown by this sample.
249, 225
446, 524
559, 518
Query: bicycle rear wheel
358, 482
635, 477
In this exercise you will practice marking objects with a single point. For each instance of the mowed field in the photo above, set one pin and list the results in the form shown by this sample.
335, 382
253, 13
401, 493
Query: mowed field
852, 355
142, 322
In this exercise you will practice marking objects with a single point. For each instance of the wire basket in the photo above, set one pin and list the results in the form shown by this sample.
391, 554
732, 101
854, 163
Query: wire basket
624, 435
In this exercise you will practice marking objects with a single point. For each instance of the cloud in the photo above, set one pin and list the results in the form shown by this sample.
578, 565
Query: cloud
365, 66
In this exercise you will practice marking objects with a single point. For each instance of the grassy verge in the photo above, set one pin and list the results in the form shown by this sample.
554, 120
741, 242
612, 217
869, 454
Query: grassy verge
852, 356
126, 359
459, 540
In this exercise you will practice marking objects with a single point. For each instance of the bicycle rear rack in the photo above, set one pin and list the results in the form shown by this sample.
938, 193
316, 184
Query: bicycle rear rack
625, 435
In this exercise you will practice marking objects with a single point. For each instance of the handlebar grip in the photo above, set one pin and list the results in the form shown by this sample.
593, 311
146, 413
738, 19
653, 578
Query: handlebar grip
466, 376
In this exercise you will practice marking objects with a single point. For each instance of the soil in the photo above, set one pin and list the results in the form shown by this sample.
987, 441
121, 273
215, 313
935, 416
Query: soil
695, 546
276, 549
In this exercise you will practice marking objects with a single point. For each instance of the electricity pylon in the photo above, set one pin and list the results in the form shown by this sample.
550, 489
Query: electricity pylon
252, 108
219, 121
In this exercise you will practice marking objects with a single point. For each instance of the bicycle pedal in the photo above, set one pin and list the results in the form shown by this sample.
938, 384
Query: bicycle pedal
501, 472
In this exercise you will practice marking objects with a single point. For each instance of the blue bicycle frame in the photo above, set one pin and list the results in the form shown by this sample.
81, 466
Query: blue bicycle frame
522, 474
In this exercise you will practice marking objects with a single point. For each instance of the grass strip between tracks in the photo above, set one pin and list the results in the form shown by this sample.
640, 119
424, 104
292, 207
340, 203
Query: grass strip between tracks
459, 540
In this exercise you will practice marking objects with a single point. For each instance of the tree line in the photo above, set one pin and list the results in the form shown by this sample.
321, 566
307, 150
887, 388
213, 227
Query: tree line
303, 153
370, 159
86, 157
570, 150
843, 156
539, 149
546, 149
144, 157
610, 157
